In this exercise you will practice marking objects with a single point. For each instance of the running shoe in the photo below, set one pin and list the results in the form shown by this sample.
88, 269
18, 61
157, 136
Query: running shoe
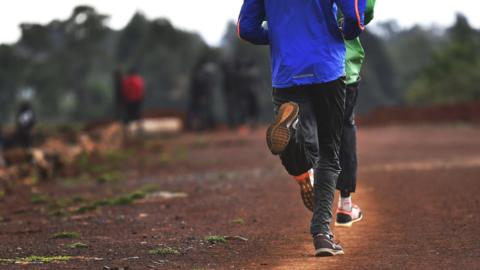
325, 246
347, 218
279, 132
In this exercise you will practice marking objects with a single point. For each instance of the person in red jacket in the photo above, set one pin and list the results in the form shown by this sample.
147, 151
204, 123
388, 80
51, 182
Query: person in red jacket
133, 92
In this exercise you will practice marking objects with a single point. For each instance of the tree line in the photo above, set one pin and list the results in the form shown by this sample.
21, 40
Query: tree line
68, 64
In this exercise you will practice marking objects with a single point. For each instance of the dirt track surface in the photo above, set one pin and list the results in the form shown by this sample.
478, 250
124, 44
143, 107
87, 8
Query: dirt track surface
418, 188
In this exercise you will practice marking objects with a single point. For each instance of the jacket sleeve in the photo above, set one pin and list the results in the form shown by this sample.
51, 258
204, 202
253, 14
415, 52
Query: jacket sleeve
354, 17
369, 11
249, 25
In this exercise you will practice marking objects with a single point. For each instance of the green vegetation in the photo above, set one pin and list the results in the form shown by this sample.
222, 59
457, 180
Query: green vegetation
239, 221
63, 206
105, 171
137, 195
78, 199
58, 213
66, 235
164, 159
216, 239
86, 208
200, 142
118, 155
58, 207
122, 200
39, 198
108, 177
46, 259
60, 203
100, 168
181, 153
36, 259
149, 188
78, 245
82, 179
83, 162
164, 251
63, 203
7, 261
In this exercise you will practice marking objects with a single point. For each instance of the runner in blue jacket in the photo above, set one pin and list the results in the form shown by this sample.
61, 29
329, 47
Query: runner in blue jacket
308, 62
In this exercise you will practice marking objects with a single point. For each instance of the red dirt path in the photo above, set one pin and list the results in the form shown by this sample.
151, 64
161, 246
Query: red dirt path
418, 187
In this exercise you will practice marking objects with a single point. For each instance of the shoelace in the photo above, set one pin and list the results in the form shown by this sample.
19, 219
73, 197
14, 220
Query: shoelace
334, 241
330, 238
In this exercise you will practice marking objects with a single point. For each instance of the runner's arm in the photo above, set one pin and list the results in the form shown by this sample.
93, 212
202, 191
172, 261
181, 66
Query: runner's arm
249, 25
354, 17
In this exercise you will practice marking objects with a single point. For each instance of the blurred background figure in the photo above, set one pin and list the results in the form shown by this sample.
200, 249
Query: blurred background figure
231, 88
2, 141
118, 101
242, 81
25, 122
249, 79
201, 107
133, 93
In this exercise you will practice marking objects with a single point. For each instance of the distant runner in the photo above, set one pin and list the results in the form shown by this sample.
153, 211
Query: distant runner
133, 89
25, 121
201, 115
308, 66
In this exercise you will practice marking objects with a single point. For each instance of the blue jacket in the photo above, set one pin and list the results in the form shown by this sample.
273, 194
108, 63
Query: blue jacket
306, 43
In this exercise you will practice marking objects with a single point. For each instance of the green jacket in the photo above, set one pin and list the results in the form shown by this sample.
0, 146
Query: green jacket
355, 52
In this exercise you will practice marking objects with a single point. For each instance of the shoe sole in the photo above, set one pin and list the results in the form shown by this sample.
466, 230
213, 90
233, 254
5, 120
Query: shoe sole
306, 191
278, 133
349, 224
327, 252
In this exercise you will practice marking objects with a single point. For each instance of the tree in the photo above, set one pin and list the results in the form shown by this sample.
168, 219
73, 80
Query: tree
453, 75
411, 50
11, 74
378, 77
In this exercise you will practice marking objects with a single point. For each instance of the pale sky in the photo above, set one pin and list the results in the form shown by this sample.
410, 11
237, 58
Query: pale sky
209, 17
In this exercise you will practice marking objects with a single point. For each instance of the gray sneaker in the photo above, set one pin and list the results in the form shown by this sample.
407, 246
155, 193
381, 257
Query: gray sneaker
325, 246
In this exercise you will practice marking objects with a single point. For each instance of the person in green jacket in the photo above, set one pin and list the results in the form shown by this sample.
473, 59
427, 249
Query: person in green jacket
347, 212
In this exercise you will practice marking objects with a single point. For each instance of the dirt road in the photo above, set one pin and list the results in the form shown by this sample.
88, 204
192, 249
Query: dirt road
419, 188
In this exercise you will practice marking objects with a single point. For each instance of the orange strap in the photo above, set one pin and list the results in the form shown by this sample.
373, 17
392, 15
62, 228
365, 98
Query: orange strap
238, 29
302, 178
359, 18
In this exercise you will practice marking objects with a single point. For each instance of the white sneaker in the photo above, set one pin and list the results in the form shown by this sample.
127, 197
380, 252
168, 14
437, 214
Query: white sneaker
347, 218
